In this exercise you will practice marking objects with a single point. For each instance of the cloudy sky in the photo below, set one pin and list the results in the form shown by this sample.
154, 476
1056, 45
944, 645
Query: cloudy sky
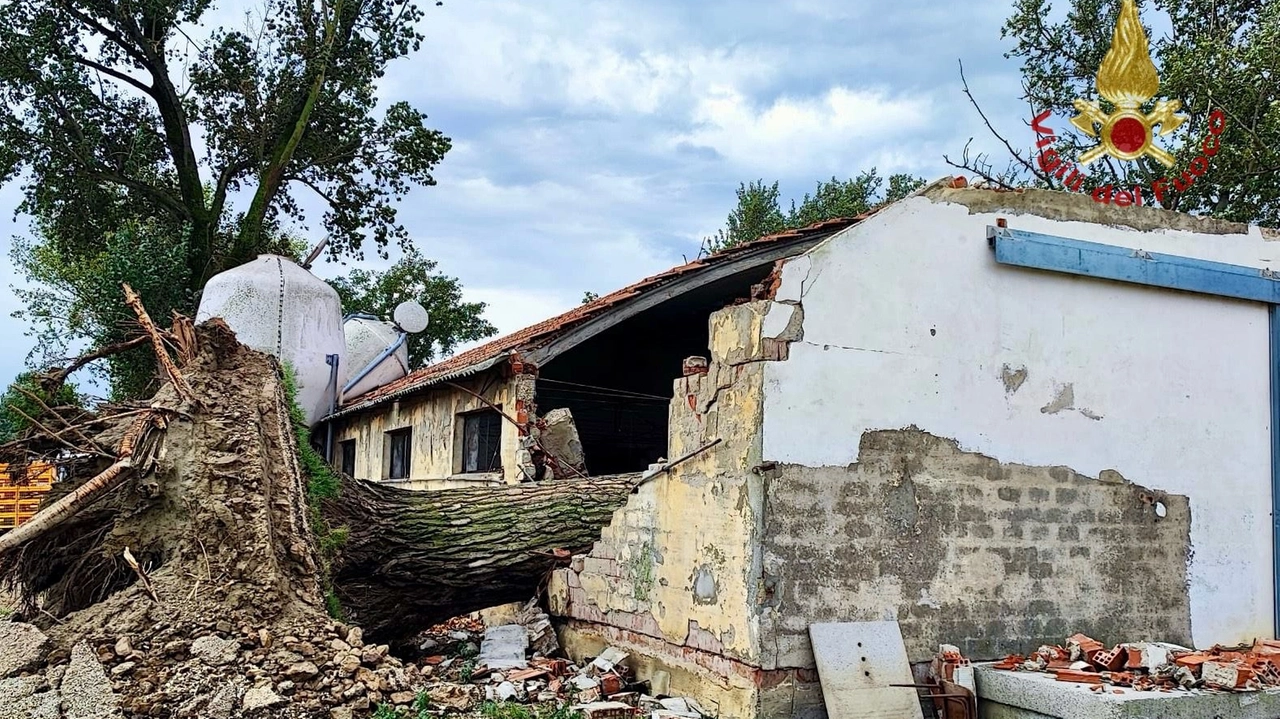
595, 143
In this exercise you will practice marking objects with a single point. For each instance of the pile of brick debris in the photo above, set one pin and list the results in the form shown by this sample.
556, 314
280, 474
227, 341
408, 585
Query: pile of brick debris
516, 663
1155, 666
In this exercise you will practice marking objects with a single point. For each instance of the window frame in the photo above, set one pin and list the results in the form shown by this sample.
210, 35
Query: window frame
392, 437
468, 420
347, 457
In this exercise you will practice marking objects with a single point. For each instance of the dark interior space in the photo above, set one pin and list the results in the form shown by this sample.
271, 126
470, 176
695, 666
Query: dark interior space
618, 383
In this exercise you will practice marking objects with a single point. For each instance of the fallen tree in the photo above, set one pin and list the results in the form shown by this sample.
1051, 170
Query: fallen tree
411, 559
206, 490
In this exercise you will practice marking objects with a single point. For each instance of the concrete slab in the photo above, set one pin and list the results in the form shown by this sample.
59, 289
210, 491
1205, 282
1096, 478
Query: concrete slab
1032, 695
857, 661
504, 647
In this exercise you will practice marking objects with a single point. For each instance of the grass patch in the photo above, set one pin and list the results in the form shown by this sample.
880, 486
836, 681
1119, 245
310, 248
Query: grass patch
421, 709
322, 483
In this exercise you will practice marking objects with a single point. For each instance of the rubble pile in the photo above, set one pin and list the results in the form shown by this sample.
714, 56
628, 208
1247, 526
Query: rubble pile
1154, 666
212, 672
514, 663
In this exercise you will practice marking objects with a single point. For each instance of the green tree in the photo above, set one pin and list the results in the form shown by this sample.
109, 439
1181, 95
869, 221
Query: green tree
14, 404
413, 277
117, 123
79, 297
1219, 56
758, 212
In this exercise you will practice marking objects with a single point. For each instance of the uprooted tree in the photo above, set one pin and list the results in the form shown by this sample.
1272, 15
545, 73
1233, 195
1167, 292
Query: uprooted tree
226, 512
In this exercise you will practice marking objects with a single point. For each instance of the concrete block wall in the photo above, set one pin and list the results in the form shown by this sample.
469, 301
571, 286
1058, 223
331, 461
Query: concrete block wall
960, 548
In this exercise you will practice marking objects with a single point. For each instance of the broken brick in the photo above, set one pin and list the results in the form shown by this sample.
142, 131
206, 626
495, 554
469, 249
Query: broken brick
1191, 661
610, 684
1225, 675
1112, 660
1086, 646
1071, 675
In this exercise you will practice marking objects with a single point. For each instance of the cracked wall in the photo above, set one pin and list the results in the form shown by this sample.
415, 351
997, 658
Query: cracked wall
910, 321
674, 577
962, 549
967, 527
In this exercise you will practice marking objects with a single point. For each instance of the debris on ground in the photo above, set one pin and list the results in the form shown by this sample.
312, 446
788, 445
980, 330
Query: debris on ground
1155, 666
510, 669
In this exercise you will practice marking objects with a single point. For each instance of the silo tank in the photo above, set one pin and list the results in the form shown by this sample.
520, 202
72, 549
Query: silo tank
371, 341
275, 306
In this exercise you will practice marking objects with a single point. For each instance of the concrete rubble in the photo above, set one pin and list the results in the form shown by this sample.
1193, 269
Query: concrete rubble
515, 663
1154, 666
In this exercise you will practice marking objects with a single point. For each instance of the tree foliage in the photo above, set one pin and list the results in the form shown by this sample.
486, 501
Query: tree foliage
106, 99
413, 277
14, 404
1220, 55
153, 155
78, 297
759, 212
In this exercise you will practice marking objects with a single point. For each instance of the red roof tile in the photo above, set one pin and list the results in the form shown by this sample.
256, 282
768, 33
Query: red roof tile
549, 329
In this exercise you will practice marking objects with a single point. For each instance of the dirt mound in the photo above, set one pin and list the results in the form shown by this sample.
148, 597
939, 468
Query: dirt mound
224, 614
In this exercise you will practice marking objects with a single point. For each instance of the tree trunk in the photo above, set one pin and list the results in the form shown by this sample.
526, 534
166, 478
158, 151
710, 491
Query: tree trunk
413, 559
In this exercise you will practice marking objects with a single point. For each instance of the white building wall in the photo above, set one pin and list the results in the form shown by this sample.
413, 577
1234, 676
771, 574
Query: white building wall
909, 320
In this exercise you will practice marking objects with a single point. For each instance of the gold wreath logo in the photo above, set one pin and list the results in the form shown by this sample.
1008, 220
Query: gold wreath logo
1127, 79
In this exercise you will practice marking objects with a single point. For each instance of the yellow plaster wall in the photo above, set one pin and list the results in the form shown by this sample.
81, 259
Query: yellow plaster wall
681, 561
433, 415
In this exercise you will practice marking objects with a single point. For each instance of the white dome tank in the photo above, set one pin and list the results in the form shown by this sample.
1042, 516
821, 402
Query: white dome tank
275, 306
368, 341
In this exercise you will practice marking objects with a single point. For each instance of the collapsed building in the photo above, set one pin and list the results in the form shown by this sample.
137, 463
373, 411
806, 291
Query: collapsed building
989, 417
589, 388
993, 419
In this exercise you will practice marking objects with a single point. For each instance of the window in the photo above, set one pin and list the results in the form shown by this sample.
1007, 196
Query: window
347, 455
399, 445
481, 442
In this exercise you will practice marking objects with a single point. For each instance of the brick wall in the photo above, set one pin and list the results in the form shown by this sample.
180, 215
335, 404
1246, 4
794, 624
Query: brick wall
962, 549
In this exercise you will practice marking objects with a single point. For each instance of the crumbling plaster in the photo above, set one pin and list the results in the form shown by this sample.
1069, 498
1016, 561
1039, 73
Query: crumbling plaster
675, 575
908, 320
433, 416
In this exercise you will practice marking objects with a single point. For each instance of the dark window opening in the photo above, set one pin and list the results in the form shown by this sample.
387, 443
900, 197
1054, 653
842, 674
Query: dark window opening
347, 455
481, 442
401, 444
618, 384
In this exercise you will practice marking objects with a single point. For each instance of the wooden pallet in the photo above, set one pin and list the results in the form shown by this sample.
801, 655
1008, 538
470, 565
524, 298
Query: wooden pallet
21, 492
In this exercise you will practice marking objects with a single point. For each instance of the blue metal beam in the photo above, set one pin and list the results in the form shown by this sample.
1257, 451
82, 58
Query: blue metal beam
1108, 262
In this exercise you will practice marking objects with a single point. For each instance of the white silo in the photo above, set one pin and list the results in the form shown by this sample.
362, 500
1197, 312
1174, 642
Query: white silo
275, 306
377, 351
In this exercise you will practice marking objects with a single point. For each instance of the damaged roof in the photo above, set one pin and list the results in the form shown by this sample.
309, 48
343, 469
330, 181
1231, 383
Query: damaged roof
538, 336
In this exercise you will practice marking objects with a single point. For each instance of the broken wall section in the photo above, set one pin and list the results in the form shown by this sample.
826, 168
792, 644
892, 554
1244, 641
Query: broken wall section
674, 578
962, 549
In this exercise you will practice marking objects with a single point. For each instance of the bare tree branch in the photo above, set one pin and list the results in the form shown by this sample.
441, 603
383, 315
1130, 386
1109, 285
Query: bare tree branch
116, 74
